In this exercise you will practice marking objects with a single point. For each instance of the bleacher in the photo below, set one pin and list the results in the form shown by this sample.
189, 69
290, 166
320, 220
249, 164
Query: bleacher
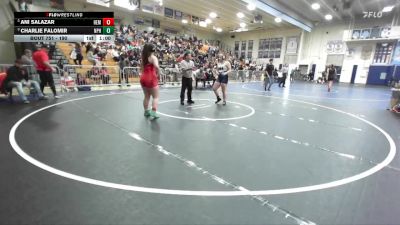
87, 69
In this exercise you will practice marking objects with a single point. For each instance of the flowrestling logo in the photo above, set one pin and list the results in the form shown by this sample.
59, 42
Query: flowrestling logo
371, 14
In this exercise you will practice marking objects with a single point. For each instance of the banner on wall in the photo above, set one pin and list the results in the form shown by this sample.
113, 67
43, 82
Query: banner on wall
396, 54
148, 8
292, 44
178, 15
335, 47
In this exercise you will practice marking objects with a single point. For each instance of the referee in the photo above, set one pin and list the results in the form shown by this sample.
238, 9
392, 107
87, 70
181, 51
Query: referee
187, 66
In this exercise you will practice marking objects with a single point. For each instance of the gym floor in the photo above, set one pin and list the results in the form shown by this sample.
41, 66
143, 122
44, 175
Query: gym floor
295, 155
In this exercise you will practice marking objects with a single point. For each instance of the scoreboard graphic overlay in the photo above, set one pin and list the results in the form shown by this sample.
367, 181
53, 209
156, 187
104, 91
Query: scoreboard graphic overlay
64, 27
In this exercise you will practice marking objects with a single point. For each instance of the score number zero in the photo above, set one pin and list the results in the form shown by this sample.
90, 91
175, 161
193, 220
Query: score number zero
108, 21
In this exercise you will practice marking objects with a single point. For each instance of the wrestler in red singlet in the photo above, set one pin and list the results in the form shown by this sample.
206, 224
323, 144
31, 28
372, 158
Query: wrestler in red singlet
149, 79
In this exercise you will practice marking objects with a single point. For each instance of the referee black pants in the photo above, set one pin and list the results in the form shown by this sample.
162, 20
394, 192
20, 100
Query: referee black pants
186, 84
46, 77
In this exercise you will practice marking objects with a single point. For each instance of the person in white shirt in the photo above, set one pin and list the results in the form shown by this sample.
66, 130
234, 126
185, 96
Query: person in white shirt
285, 70
27, 60
187, 66
115, 54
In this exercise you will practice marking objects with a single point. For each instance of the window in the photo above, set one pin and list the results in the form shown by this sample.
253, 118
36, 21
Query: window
250, 49
169, 12
383, 52
243, 55
243, 50
270, 48
237, 49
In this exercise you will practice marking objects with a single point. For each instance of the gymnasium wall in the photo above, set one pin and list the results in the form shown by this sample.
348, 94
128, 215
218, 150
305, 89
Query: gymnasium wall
6, 33
257, 35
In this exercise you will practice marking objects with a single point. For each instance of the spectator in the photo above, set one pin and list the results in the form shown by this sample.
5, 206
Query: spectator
104, 75
91, 57
43, 67
79, 56
17, 77
115, 54
23, 6
123, 62
27, 61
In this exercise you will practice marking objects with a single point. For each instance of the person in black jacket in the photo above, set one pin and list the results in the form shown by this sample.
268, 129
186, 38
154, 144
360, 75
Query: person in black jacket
331, 76
17, 77
269, 76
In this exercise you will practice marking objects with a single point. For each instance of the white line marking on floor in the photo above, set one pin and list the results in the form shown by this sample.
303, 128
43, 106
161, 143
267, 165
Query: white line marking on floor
187, 113
347, 155
251, 113
202, 107
194, 106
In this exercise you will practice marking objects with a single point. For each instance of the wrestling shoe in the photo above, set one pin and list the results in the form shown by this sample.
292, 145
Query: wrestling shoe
218, 100
147, 113
153, 115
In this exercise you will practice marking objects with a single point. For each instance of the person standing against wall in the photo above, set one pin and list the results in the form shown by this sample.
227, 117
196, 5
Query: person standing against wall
187, 66
269, 78
43, 67
331, 76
